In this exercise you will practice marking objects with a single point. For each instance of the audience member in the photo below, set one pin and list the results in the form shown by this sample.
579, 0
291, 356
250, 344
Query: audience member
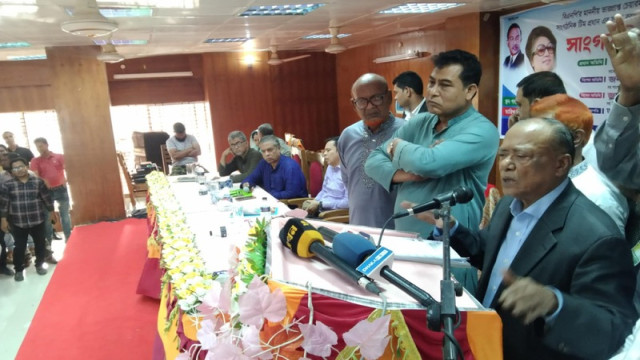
578, 118
184, 149
370, 204
4, 176
50, 167
14, 148
533, 88
244, 159
265, 130
334, 193
23, 201
434, 153
255, 139
277, 174
554, 265
408, 88
616, 140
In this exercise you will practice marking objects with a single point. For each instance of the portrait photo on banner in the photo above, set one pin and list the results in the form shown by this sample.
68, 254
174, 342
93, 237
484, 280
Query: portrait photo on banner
566, 40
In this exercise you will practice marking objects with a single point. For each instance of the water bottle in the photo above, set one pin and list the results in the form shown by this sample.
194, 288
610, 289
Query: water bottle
265, 209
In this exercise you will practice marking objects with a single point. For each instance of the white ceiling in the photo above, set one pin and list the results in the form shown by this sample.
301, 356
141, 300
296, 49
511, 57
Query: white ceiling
180, 30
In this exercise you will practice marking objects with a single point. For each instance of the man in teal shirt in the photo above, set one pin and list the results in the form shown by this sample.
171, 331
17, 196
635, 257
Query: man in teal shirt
435, 152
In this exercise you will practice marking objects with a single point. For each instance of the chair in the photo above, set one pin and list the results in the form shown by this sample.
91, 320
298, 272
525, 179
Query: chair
131, 185
313, 168
166, 159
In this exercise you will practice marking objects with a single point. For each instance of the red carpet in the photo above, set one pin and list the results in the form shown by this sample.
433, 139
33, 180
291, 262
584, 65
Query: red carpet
90, 309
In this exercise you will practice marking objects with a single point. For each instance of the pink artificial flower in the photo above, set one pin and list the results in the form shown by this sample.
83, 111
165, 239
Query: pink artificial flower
318, 338
206, 334
371, 337
226, 351
259, 303
211, 301
251, 344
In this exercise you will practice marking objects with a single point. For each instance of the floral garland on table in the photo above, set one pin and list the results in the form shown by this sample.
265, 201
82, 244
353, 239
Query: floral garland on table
230, 315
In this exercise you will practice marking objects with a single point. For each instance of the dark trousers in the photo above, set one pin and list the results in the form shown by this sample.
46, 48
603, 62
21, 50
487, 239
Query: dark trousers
3, 252
20, 236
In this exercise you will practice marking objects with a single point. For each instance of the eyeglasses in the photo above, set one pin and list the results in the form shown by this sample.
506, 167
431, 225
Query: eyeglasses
18, 168
236, 144
375, 100
541, 49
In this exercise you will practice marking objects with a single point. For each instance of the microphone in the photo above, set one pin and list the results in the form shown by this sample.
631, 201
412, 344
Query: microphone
305, 241
459, 195
359, 252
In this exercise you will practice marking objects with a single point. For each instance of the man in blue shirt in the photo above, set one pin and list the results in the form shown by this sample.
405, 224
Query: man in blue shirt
278, 175
554, 265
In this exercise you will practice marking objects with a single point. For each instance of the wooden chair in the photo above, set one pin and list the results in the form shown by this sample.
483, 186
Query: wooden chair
131, 186
166, 159
313, 168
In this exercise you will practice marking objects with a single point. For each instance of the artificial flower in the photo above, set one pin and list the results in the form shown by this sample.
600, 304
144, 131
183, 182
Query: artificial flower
318, 338
371, 337
259, 303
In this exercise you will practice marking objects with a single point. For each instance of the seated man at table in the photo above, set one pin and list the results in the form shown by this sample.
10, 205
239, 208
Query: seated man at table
554, 265
244, 158
278, 175
333, 194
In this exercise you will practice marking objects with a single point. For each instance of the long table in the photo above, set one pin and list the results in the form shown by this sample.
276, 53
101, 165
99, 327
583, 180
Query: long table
311, 288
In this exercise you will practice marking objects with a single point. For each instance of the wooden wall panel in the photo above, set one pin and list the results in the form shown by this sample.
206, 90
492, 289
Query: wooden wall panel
155, 91
81, 95
297, 97
26, 98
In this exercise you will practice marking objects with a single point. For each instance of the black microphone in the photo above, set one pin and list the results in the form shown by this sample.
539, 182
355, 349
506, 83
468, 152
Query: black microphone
305, 241
459, 195
359, 252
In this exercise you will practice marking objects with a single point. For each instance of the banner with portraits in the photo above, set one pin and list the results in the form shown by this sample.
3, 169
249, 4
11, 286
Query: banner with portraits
564, 39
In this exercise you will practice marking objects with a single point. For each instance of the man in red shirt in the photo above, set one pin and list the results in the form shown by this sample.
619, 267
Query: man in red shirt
50, 167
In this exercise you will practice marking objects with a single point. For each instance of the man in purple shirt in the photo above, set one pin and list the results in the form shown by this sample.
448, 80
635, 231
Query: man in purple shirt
278, 175
333, 194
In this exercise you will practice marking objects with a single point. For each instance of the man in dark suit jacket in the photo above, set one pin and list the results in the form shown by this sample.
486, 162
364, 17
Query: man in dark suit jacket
554, 265
407, 89
516, 57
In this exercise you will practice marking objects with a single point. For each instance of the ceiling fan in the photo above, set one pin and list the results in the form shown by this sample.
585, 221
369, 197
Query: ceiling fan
275, 60
87, 21
335, 47
109, 53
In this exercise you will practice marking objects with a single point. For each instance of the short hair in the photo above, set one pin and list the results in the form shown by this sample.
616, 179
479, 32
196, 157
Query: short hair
254, 132
265, 129
334, 139
534, 35
541, 84
16, 159
270, 138
411, 80
236, 134
179, 128
40, 140
471, 68
513, 26
7, 132
570, 111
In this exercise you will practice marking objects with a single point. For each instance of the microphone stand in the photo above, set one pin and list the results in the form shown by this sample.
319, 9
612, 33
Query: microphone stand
447, 286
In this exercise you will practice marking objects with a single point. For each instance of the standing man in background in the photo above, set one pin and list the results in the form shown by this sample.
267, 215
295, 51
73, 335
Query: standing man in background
370, 204
50, 167
265, 130
13, 147
184, 149
408, 89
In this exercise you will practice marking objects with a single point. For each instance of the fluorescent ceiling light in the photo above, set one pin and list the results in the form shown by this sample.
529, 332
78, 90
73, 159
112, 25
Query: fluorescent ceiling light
407, 56
165, 4
280, 10
12, 45
227, 40
323, 36
119, 42
126, 12
153, 75
27, 57
419, 8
